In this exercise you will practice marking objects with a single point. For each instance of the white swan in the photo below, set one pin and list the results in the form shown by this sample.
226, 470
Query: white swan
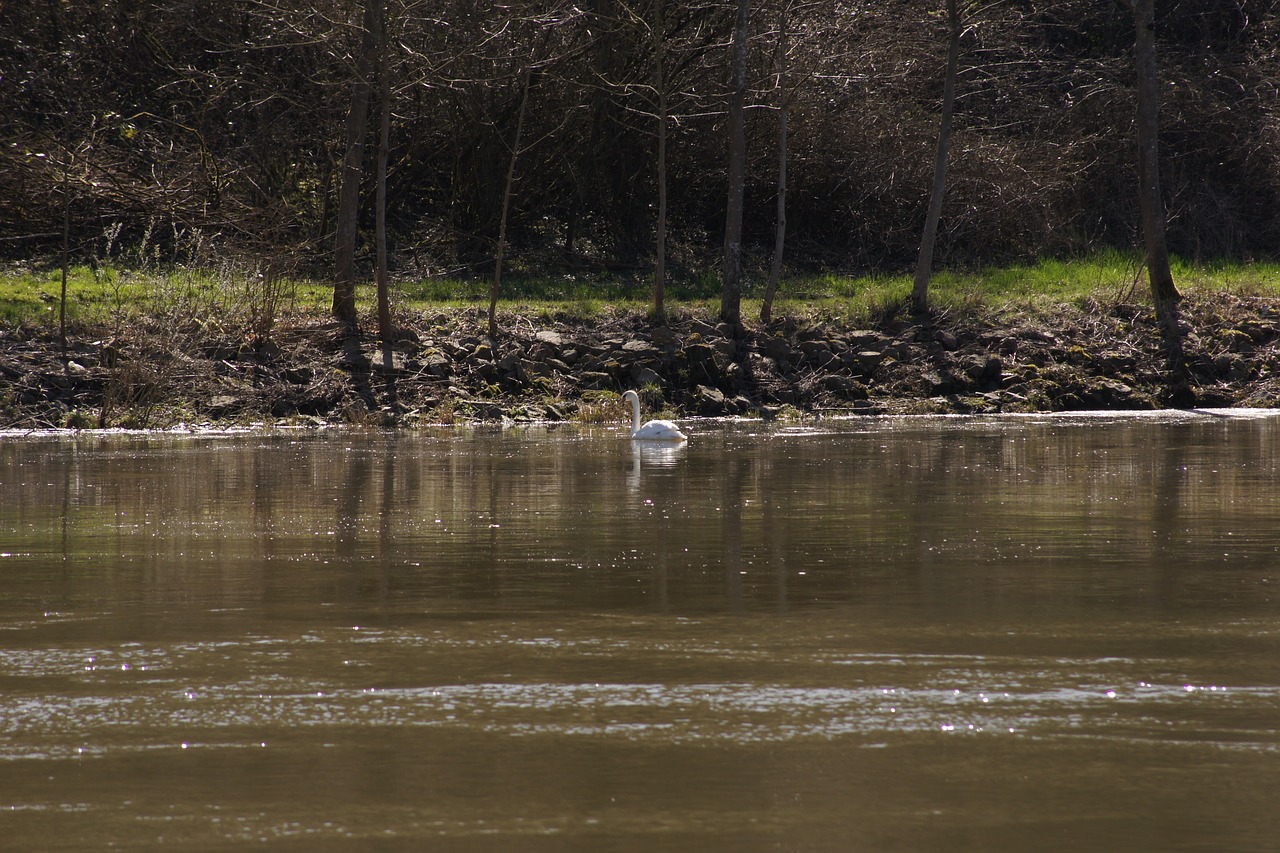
653, 430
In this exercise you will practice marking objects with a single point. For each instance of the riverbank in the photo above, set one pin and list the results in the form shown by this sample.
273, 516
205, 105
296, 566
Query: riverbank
444, 368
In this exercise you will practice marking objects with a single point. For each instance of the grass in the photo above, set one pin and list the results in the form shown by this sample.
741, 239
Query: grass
247, 297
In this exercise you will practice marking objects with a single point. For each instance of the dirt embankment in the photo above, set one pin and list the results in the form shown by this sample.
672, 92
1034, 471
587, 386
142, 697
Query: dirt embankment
445, 368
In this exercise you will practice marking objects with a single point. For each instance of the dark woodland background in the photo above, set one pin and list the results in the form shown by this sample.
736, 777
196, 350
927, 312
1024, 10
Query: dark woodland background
191, 130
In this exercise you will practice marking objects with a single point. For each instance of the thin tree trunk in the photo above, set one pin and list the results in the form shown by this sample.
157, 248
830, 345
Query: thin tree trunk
384, 147
731, 291
784, 107
660, 83
344, 281
506, 206
924, 263
326, 196
1163, 291
66, 253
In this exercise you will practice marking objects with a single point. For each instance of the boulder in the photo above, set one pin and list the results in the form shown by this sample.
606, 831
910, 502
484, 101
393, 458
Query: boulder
709, 401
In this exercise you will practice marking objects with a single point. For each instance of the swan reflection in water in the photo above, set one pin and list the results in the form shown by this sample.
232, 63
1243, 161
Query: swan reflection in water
653, 455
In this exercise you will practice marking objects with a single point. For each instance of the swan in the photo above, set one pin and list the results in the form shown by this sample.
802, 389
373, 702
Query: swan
653, 430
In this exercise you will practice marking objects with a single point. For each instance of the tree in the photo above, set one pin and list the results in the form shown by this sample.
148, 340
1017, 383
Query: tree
384, 150
1151, 204
348, 224
780, 227
731, 291
924, 263
660, 86
1150, 200
506, 205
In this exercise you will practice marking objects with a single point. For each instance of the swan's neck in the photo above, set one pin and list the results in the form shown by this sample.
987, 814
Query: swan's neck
635, 415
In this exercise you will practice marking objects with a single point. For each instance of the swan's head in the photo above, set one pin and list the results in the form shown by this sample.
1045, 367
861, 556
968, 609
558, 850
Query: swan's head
631, 397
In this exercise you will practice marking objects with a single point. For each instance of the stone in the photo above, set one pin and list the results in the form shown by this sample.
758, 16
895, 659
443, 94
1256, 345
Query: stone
595, 380
435, 364
644, 376
554, 339
298, 375
864, 339
709, 401
775, 347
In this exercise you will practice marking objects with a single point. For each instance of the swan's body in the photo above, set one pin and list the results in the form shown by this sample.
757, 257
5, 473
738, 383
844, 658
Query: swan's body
653, 430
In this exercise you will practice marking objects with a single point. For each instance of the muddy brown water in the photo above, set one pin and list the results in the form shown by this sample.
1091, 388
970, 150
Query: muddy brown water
1039, 633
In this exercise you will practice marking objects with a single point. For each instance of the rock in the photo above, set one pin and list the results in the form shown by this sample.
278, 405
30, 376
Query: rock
982, 368
1037, 335
298, 375
1180, 396
869, 359
268, 350
639, 347
942, 382
537, 368
554, 339
222, 405
379, 362
595, 380
643, 376
281, 408
844, 386
663, 336
434, 363
775, 347
816, 353
699, 353
865, 339
558, 366
709, 401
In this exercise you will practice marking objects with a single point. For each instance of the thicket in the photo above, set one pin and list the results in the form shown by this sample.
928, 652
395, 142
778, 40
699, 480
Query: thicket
182, 130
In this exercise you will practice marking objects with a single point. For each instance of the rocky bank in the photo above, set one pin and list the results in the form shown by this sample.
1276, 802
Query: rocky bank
445, 368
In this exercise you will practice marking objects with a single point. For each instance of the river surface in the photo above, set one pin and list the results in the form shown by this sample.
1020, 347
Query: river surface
1039, 633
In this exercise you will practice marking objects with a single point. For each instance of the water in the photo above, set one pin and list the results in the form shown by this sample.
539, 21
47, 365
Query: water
885, 634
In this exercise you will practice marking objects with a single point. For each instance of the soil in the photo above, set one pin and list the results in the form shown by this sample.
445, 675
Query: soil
444, 367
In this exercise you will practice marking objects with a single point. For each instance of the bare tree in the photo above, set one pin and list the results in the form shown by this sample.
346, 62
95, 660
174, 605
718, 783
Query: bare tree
660, 85
784, 106
501, 251
924, 263
1163, 291
384, 150
731, 291
348, 224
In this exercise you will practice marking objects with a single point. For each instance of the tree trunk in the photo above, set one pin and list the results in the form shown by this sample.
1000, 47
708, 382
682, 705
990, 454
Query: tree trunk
384, 146
506, 206
66, 252
1151, 204
344, 281
731, 291
660, 84
780, 230
1151, 201
924, 263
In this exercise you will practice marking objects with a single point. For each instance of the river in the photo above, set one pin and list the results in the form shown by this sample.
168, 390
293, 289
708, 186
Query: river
1050, 633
